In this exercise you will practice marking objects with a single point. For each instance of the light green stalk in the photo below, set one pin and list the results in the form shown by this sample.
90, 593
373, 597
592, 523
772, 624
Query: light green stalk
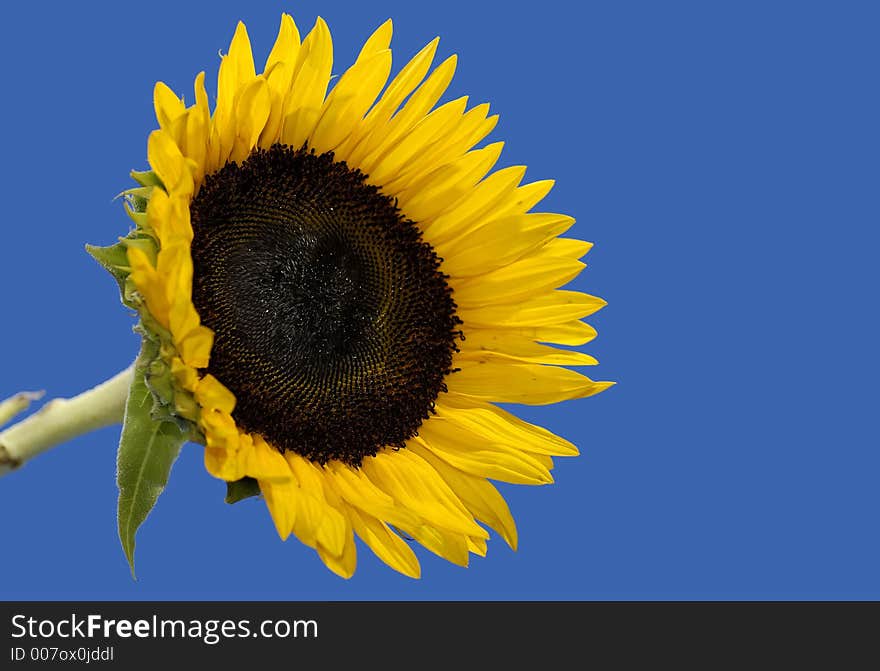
60, 420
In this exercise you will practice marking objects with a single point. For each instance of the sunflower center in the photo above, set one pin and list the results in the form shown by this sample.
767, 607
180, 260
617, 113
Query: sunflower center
333, 324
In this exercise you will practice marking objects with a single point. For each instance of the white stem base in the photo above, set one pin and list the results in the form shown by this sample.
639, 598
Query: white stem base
63, 419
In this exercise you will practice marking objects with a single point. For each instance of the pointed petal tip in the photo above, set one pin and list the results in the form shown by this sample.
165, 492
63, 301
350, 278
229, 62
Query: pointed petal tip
511, 536
240, 31
343, 572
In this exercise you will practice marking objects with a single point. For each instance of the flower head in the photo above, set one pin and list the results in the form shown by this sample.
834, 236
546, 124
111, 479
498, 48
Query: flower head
340, 289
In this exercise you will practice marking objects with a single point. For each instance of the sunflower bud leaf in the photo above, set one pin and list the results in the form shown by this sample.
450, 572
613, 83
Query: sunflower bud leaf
146, 178
241, 490
113, 259
147, 451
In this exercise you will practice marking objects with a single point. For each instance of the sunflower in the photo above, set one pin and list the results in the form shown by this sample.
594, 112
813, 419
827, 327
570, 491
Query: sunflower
341, 288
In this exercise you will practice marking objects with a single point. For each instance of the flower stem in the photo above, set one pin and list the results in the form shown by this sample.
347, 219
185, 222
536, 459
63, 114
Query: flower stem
63, 419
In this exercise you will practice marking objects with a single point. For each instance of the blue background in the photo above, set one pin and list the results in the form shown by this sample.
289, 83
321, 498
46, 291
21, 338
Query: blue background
722, 156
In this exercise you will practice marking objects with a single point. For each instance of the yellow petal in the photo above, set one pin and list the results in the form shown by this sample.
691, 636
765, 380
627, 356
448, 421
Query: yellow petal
479, 455
184, 375
303, 104
196, 143
236, 68
224, 464
531, 275
525, 197
450, 545
183, 317
168, 163
477, 546
494, 198
412, 482
478, 494
280, 496
178, 225
202, 104
280, 70
554, 307
343, 563
359, 491
389, 160
252, 108
167, 104
174, 265
467, 131
159, 213
449, 182
286, 47
314, 63
298, 125
317, 523
498, 344
531, 384
221, 432
236, 71
264, 462
195, 347
568, 333
149, 285
378, 41
498, 425
278, 80
565, 248
384, 543
359, 143
413, 111
499, 242
213, 395
350, 99
471, 210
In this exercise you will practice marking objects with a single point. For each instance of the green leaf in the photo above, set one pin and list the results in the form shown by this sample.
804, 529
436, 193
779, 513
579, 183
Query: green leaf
241, 489
147, 450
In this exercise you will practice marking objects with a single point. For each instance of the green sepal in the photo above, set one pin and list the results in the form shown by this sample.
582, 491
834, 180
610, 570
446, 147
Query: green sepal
153, 430
147, 450
168, 400
138, 197
114, 260
146, 178
241, 489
